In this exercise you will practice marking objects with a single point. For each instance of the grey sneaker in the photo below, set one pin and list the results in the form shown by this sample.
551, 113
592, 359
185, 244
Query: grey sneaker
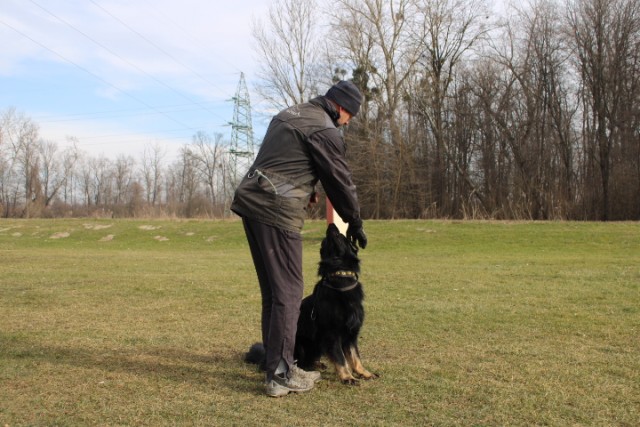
281, 385
309, 376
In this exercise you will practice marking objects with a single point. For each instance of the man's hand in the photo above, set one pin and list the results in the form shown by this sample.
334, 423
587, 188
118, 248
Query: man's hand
356, 234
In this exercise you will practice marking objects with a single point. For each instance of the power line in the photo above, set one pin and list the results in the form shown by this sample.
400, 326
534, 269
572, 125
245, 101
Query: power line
127, 140
127, 112
111, 85
120, 57
183, 30
163, 51
165, 111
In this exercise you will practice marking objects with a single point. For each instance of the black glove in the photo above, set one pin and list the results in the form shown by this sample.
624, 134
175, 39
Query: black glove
356, 234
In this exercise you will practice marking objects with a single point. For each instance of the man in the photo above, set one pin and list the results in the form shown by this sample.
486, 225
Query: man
302, 145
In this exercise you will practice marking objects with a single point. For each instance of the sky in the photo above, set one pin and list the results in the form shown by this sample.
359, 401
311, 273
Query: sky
117, 76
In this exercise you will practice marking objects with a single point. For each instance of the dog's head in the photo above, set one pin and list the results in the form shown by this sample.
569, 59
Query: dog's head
337, 253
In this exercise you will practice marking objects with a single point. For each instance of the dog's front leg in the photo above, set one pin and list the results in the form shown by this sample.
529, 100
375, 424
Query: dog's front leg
345, 374
336, 355
353, 359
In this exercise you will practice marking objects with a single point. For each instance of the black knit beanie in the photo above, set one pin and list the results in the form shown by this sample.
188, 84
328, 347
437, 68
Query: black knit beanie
346, 94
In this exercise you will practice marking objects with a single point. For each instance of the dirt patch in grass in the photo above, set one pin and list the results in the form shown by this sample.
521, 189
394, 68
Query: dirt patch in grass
60, 235
97, 226
149, 227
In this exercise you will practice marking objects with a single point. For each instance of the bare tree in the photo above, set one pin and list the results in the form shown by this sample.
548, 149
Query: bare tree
123, 178
533, 112
55, 169
21, 185
86, 183
377, 40
9, 181
493, 158
187, 182
70, 159
449, 29
606, 37
288, 48
207, 156
151, 169
96, 176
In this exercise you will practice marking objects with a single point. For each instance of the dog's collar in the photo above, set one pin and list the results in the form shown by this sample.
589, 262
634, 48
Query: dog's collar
342, 274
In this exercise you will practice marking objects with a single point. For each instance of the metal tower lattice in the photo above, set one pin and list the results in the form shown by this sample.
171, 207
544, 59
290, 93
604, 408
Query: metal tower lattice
242, 147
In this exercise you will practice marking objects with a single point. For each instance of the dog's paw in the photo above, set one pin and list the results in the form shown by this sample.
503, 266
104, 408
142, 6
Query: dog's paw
366, 375
350, 381
372, 376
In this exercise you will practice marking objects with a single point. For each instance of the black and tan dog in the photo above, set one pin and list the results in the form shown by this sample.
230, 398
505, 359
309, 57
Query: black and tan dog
331, 317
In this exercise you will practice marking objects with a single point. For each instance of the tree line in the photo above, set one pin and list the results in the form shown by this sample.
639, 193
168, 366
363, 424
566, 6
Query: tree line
532, 116
39, 179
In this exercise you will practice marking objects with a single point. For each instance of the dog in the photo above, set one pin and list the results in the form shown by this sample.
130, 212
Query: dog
332, 316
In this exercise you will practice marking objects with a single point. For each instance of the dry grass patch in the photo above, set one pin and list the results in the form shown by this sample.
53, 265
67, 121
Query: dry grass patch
60, 235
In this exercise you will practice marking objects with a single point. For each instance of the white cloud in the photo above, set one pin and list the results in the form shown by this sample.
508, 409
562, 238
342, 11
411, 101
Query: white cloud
100, 138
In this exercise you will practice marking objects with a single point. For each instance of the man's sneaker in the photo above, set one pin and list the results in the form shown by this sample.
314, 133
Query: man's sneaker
309, 376
281, 385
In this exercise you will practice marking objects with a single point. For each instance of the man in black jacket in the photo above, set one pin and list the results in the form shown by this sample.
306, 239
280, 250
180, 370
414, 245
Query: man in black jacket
302, 145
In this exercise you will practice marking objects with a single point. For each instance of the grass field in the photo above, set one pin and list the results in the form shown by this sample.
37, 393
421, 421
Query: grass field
144, 323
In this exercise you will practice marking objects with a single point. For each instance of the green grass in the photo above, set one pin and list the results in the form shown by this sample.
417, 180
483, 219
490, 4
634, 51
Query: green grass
468, 323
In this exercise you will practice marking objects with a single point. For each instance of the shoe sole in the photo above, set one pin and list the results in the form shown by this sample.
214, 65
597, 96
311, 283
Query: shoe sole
283, 391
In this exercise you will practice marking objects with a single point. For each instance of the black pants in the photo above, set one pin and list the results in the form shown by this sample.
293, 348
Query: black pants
277, 257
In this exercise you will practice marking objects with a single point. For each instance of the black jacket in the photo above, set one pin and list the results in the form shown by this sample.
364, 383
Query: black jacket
302, 145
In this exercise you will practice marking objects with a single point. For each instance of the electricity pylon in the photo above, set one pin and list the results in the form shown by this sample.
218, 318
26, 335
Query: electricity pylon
242, 147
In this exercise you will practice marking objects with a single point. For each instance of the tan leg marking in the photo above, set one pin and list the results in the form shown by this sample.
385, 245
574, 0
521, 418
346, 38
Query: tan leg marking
353, 360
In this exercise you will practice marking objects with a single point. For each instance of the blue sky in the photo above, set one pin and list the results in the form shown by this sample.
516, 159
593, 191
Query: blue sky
119, 75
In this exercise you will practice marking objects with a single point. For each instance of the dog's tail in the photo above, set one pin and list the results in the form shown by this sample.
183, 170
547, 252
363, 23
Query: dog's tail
257, 355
